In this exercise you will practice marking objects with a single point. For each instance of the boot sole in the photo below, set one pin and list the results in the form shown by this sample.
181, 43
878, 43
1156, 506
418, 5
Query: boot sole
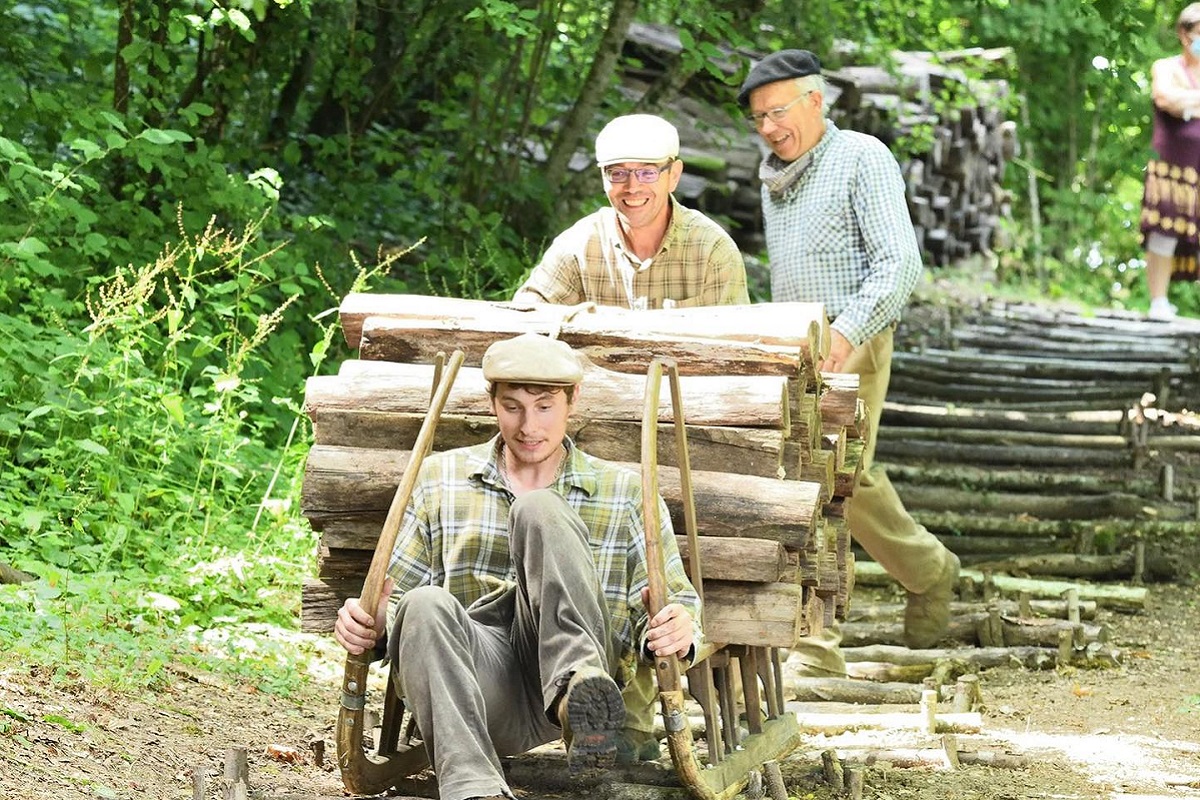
596, 713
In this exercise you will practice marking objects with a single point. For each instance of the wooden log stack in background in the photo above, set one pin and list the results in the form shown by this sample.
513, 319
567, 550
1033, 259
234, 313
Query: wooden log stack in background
950, 135
1048, 442
775, 445
946, 128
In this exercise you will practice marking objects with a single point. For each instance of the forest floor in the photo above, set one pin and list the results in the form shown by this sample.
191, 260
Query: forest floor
1125, 732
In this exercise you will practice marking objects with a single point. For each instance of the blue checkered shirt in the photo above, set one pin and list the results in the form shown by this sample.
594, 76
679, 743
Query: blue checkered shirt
841, 235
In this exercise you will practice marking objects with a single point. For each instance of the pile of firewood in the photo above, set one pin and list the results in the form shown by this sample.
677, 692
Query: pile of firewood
952, 139
774, 446
947, 129
1058, 455
1049, 442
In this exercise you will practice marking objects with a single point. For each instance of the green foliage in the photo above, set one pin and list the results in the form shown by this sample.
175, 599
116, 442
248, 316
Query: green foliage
145, 485
186, 192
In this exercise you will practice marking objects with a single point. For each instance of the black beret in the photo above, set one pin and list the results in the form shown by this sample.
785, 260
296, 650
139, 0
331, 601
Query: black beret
778, 67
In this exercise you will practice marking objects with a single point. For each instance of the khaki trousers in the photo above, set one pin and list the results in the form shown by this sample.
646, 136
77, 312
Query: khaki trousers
481, 681
875, 514
641, 699
877, 518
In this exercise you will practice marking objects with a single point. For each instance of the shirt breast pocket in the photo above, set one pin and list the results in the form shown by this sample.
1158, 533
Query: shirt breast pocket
831, 228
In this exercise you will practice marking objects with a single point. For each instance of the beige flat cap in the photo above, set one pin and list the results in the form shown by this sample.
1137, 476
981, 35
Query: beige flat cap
532, 358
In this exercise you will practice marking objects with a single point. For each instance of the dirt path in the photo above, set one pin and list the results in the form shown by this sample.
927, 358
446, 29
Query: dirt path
1129, 732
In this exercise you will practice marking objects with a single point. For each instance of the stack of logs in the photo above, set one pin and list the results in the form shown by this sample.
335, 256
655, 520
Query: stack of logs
946, 128
951, 137
1055, 454
1048, 442
774, 445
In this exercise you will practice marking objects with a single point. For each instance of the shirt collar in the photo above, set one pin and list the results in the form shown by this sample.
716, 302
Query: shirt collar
669, 237
781, 176
578, 471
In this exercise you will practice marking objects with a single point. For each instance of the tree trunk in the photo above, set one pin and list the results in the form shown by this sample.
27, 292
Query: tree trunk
1046, 507
1057, 609
965, 629
120, 65
297, 83
793, 325
342, 483
13, 575
892, 447
739, 560
1017, 480
595, 87
631, 350
969, 524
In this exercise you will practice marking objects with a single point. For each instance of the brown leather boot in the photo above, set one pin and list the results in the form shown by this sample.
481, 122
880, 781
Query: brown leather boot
927, 615
634, 746
591, 713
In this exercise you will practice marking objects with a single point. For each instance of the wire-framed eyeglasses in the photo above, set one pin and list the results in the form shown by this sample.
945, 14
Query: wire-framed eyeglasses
649, 174
775, 114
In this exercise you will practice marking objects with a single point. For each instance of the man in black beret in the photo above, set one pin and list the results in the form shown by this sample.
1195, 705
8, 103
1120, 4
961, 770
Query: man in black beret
838, 233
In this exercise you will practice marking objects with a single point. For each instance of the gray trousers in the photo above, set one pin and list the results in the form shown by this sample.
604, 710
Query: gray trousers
481, 681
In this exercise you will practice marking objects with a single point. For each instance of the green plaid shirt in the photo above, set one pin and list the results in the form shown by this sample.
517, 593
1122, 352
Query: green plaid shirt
697, 265
455, 535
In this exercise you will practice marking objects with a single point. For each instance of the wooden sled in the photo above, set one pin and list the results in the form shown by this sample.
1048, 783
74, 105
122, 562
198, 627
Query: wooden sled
395, 757
730, 756
773, 734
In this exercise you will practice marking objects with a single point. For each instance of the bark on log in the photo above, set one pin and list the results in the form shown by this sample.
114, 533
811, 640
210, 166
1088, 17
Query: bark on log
1056, 507
1121, 598
739, 451
1011, 438
965, 629
342, 482
1086, 567
958, 362
1019, 480
890, 673
759, 615
977, 657
628, 351
320, 600
1111, 529
1032, 397
748, 401
893, 446
9, 574
740, 560
743, 451
913, 396
931, 757
1056, 609
844, 690
1002, 340
783, 324
974, 548
902, 415
839, 398
829, 724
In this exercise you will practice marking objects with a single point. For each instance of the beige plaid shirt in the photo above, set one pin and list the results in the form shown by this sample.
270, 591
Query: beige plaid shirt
455, 535
697, 265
